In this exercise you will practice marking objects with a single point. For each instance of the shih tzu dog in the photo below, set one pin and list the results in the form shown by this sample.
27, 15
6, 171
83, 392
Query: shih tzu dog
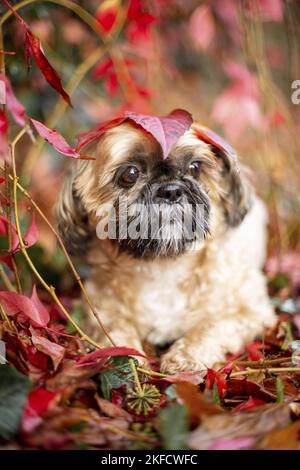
176, 244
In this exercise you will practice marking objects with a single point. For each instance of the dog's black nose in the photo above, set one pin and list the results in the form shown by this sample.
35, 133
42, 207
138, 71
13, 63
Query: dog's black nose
170, 193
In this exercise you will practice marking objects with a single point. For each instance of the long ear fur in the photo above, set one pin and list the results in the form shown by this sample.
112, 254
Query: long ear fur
236, 198
72, 218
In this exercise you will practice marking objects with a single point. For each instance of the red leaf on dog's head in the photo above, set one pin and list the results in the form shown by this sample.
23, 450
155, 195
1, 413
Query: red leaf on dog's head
165, 129
55, 139
86, 137
14, 303
33, 46
210, 137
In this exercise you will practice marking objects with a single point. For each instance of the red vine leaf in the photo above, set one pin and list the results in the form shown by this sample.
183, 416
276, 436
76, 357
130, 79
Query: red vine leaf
14, 304
87, 137
165, 129
110, 352
43, 312
55, 351
56, 140
33, 46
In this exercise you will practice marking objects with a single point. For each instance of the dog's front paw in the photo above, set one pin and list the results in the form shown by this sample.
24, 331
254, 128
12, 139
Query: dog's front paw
179, 360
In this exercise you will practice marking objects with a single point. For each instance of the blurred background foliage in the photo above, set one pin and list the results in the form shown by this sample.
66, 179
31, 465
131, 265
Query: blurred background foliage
231, 63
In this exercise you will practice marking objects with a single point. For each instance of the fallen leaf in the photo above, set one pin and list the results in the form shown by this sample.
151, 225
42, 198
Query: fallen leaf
15, 303
254, 423
55, 351
112, 410
196, 402
110, 352
249, 404
173, 426
38, 401
287, 438
239, 443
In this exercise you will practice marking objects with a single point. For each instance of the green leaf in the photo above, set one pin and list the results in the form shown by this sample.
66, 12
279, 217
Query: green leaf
215, 394
119, 374
14, 388
173, 427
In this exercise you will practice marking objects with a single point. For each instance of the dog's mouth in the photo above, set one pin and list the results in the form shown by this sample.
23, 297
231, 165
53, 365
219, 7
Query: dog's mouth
147, 229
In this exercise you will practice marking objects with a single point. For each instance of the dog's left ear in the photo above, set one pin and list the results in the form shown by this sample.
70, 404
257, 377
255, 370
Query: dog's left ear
236, 191
236, 194
72, 218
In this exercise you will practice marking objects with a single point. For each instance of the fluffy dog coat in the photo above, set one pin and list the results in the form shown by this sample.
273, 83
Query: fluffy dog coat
209, 300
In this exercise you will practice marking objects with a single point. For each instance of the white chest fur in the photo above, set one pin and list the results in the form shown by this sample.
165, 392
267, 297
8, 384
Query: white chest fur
162, 302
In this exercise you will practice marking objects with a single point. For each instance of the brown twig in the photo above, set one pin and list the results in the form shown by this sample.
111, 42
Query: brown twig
262, 362
271, 370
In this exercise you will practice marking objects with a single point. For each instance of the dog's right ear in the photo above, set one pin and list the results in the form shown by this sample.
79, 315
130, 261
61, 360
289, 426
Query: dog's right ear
72, 217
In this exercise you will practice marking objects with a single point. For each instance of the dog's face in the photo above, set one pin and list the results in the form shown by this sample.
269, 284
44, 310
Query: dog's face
147, 206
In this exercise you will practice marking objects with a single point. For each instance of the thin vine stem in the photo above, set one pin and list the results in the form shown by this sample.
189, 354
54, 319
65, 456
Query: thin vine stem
50, 289
5, 279
7, 188
60, 108
69, 260
267, 370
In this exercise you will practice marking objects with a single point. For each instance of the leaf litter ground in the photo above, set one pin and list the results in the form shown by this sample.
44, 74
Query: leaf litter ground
56, 394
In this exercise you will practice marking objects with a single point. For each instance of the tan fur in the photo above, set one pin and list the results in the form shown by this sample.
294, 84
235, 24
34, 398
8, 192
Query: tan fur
211, 300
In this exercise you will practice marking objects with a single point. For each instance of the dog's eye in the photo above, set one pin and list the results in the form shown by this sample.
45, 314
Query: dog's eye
194, 169
129, 176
